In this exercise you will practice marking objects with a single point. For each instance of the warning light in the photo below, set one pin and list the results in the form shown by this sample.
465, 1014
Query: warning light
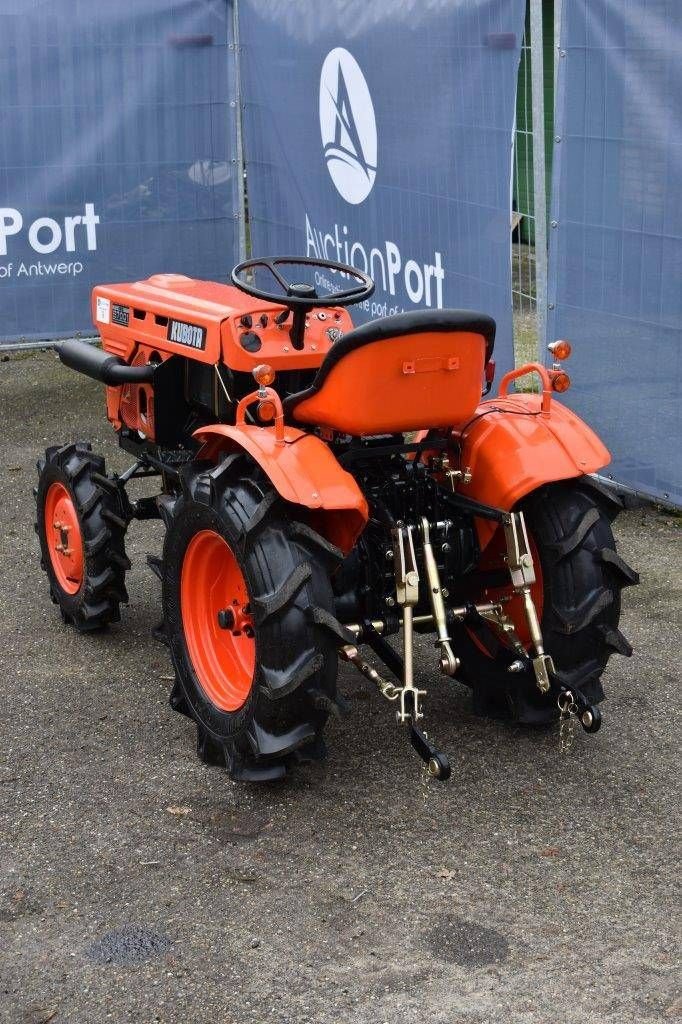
263, 374
560, 349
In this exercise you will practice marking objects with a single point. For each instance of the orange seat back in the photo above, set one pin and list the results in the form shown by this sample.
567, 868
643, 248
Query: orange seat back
374, 381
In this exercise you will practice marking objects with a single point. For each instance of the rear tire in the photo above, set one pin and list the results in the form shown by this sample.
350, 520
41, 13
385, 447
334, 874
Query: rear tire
285, 568
582, 578
90, 588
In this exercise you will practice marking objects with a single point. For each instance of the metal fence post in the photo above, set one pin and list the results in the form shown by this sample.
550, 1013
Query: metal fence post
539, 189
241, 192
558, 14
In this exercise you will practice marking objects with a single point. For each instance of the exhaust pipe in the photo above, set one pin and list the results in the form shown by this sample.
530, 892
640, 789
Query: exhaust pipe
102, 366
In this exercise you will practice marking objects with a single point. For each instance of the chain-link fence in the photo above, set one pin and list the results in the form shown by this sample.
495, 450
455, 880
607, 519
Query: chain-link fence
532, 166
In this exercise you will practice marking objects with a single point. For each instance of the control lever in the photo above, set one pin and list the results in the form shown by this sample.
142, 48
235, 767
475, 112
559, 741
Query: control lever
297, 331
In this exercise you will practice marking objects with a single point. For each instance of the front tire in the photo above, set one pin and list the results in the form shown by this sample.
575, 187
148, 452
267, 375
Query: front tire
81, 523
248, 616
580, 576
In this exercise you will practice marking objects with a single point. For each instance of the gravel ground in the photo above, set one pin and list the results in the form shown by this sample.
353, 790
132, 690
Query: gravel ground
140, 886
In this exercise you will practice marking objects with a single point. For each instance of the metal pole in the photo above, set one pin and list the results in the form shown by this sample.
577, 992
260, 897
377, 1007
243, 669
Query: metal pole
558, 4
46, 343
241, 213
537, 72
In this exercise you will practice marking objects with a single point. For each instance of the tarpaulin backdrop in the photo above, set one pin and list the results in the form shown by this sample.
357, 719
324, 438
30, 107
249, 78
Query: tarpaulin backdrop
615, 277
117, 154
380, 134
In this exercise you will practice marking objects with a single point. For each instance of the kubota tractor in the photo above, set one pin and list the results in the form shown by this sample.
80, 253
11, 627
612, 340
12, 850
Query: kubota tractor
362, 491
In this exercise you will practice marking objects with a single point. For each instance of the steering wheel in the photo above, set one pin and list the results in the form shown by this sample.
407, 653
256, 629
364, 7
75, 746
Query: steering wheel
301, 297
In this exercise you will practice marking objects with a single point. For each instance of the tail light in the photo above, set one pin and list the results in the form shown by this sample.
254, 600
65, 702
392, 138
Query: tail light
560, 380
266, 411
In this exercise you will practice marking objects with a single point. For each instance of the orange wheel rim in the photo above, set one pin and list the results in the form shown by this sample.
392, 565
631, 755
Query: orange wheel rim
492, 559
64, 538
217, 621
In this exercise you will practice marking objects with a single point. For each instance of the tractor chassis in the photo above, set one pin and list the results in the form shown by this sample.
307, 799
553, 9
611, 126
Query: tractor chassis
486, 620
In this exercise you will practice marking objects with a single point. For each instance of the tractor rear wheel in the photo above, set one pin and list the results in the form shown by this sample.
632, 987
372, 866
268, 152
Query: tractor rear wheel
81, 524
579, 581
248, 616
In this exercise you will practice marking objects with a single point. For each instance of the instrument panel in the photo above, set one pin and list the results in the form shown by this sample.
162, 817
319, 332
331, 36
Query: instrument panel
263, 335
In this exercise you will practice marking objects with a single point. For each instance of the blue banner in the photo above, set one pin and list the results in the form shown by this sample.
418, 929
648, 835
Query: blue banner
117, 152
615, 280
379, 134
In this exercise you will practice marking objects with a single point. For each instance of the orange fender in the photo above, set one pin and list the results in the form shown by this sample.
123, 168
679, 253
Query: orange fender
514, 445
303, 470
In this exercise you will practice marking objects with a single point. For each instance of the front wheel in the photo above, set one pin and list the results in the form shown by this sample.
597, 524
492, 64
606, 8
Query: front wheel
580, 576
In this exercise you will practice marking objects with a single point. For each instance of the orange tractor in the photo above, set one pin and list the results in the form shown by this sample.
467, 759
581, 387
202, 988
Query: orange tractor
362, 490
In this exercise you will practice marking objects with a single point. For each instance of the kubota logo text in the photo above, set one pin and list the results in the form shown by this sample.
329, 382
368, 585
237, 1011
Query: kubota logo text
348, 126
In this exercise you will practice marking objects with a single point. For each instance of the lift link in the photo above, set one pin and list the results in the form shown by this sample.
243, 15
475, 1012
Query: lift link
388, 690
407, 596
436, 761
522, 572
498, 617
448, 662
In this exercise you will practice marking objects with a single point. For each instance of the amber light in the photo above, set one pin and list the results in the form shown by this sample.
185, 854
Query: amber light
266, 411
560, 349
560, 381
263, 374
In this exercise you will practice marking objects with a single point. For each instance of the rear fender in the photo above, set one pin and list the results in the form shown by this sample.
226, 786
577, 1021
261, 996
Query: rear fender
512, 447
303, 470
